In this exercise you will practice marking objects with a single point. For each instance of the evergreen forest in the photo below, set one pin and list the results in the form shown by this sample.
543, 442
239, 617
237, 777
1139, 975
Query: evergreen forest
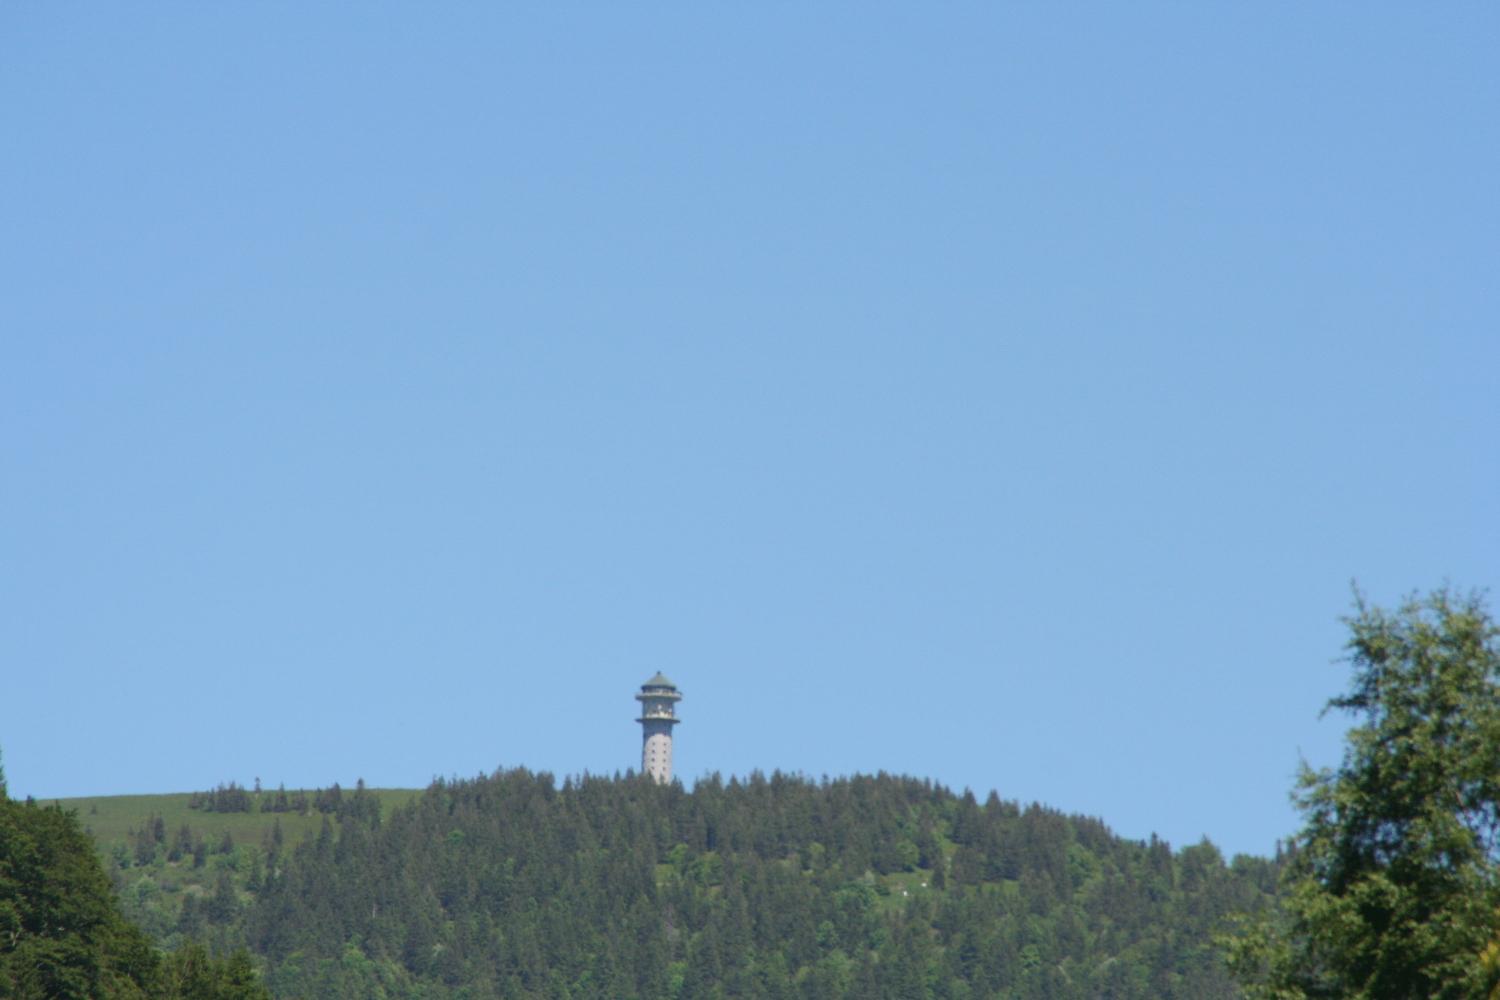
513, 885
63, 936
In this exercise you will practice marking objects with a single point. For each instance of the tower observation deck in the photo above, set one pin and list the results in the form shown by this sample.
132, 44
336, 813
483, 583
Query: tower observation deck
658, 699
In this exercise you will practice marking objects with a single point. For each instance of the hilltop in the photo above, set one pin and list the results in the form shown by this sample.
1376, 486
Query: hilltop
512, 885
115, 819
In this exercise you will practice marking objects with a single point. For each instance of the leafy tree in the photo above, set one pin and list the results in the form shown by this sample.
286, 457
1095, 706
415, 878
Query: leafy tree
62, 936
1393, 883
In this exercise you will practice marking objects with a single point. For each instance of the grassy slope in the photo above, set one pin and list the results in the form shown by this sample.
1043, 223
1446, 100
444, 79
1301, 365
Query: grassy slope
110, 819
153, 892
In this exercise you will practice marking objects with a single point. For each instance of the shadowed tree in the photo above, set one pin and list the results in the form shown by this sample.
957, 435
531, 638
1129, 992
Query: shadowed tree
62, 936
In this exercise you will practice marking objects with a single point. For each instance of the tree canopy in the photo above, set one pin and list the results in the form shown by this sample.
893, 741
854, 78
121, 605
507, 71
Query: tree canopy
1393, 886
512, 885
62, 936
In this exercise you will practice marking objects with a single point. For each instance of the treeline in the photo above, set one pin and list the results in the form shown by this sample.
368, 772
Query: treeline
235, 798
62, 935
149, 842
777, 887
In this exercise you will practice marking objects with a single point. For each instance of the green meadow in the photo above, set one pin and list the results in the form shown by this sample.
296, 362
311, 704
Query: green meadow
111, 819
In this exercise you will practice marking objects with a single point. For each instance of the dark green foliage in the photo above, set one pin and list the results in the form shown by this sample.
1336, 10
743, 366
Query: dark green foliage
1393, 885
182, 843
192, 974
281, 802
231, 797
60, 935
224, 799
61, 932
509, 886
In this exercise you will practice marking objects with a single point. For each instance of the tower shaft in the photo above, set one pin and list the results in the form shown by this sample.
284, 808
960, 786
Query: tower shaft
658, 699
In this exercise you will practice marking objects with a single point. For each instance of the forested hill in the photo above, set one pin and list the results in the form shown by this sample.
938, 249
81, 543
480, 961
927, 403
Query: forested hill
62, 936
779, 887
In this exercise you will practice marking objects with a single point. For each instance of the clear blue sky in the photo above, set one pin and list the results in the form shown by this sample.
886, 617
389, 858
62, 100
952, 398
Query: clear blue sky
1002, 394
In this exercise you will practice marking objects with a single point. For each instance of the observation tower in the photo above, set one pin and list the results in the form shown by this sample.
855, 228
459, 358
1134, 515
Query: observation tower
658, 700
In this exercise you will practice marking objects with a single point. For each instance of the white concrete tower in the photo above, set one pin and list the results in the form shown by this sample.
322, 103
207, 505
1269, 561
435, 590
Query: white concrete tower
658, 700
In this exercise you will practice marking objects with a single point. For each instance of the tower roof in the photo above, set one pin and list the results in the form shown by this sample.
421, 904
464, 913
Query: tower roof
659, 681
